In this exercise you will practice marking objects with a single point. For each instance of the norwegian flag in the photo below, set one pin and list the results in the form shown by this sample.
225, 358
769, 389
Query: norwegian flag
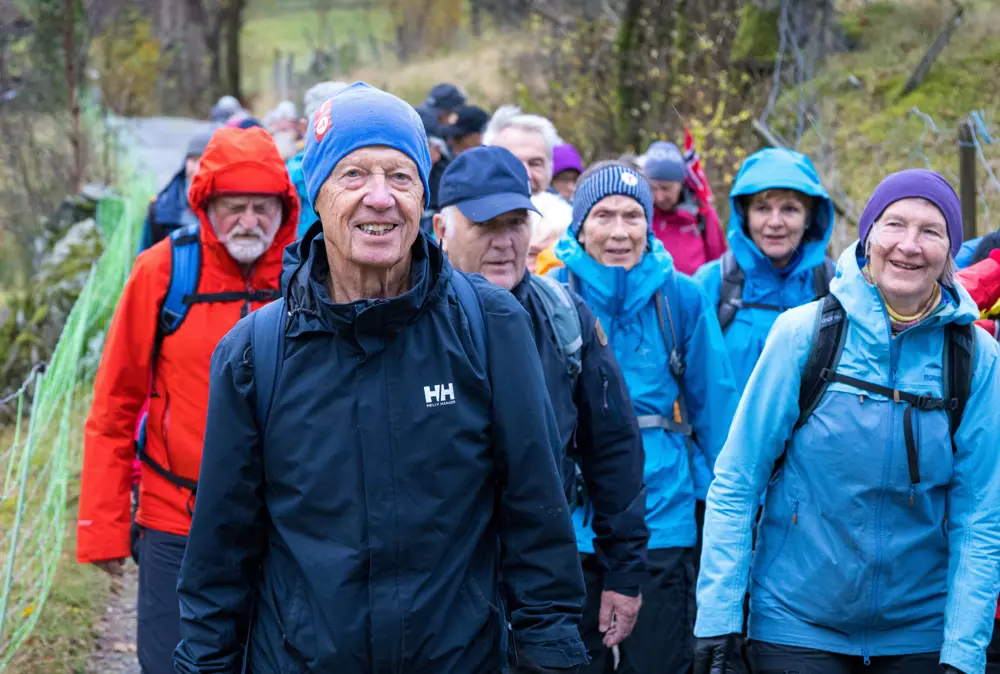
696, 178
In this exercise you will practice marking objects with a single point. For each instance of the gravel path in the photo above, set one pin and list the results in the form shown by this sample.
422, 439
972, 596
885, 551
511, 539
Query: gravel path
114, 650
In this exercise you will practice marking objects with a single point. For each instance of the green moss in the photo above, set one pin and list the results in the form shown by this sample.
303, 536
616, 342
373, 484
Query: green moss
757, 39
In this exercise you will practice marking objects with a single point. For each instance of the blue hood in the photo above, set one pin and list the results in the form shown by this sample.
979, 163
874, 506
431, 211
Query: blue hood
779, 169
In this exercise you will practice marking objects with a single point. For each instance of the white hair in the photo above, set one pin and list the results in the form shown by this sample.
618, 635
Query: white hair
510, 116
448, 218
947, 277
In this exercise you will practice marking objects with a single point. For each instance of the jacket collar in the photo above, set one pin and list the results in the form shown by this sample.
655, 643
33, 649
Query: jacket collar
612, 290
368, 323
864, 305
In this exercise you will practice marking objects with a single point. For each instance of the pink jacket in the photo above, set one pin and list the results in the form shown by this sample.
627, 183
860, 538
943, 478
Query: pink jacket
680, 232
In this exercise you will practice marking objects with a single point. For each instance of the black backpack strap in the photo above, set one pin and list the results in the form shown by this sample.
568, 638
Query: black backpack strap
155, 228
731, 290
959, 355
266, 295
267, 348
829, 332
822, 275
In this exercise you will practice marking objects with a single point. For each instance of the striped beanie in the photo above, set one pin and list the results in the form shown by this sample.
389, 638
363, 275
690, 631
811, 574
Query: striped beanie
606, 182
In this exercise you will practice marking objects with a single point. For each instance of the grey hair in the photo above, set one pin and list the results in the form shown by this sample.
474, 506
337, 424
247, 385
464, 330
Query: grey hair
508, 116
947, 277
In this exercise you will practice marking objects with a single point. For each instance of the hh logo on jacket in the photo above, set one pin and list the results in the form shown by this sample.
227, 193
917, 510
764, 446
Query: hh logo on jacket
439, 394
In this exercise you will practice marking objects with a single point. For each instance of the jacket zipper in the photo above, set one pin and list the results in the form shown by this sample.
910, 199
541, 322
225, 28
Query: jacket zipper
795, 511
604, 384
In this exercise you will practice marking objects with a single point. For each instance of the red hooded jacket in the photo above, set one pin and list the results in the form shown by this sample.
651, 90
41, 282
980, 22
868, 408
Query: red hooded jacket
690, 242
235, 161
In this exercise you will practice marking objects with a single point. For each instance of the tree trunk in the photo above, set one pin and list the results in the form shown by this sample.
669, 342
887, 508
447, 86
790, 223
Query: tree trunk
76, 142
628, 40
233, 20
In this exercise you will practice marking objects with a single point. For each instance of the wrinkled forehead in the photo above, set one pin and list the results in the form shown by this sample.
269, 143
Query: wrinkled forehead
915, 211
526, 144
618, 203
377, 157
779, 195
240, 201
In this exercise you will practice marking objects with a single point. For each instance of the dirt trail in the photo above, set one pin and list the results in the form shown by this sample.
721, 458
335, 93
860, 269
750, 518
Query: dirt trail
114, 651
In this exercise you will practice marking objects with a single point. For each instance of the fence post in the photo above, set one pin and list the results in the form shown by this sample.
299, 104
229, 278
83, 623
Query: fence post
967, 178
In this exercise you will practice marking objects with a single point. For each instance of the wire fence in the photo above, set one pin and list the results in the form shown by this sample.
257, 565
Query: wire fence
40, 460
800, 114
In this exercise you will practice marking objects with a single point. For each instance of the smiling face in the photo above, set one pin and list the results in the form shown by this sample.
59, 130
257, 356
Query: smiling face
908, 251
497, 248
370, 208
614, 232
777, 221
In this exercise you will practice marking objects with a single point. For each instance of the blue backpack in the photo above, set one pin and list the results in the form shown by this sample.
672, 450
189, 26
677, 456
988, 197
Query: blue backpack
267, 342
182, 293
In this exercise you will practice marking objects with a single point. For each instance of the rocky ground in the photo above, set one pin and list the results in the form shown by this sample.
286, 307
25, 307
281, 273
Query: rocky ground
114, 650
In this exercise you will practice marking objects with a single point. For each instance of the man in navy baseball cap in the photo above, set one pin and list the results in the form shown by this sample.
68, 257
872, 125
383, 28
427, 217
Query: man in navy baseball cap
484, 227
483, 224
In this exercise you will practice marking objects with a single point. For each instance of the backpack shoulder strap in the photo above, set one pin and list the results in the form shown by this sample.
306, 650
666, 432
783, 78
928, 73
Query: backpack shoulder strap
822, 275
959, 356
731, 289
475, 312
267, 347
824, 354
155, 227
185, 272
560, 310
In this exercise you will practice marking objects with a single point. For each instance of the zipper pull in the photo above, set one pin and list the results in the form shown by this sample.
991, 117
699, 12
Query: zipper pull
604, 381
795, 512
913, 492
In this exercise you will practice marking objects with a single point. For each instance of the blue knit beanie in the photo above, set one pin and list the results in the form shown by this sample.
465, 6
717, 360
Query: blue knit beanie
664, 161
362, 116
606, 182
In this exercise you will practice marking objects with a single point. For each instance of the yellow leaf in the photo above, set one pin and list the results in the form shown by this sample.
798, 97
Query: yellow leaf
28, 611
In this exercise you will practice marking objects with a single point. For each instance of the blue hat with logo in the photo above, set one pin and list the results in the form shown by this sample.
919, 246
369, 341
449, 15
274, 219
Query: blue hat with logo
362, 116
664, 161
613, 179
485, 182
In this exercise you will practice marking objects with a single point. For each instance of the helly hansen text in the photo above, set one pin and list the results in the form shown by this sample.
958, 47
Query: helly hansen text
439, 394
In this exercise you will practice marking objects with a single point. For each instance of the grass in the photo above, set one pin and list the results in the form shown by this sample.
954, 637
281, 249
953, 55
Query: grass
64, 635
298, 28
870, 128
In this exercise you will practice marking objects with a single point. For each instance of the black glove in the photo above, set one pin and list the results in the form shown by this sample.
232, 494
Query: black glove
719, 655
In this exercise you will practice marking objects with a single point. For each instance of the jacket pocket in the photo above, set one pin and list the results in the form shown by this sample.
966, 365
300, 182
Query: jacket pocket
496, 621
291, 614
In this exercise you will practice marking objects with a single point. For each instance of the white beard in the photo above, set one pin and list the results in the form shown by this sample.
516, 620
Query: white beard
246, 249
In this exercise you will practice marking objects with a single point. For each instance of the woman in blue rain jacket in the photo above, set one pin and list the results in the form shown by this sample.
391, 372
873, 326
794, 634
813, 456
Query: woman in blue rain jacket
878, 546
778, 270
615, 263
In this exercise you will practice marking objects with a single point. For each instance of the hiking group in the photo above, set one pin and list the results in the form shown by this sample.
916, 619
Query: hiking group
414, 390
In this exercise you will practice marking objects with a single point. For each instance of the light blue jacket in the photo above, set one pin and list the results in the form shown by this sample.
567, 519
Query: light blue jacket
844, 562
964, 257
623, 302
768, 169
307, 216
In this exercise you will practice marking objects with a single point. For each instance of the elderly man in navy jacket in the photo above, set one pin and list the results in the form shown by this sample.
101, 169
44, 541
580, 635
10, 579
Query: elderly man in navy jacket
379, 448
484, 228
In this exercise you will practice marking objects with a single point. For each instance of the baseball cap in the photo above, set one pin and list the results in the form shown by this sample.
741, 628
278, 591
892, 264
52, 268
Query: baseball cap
470, 120
445, 97
484, 182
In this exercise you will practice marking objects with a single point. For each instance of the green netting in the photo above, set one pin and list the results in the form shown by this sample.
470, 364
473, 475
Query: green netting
45, 453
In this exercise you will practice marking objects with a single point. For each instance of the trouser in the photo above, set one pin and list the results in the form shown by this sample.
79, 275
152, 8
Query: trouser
993, 651
766, 658
662, 639
159, 620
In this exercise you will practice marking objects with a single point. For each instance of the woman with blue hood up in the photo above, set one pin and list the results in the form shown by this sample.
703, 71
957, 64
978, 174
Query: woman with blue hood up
870, 419
780, 223
667, 341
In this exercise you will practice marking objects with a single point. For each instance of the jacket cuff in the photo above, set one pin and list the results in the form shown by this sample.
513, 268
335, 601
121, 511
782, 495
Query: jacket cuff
560, 654
962, 660
627, 583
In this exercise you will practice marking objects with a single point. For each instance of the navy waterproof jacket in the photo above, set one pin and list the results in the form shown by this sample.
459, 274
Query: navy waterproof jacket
399, 476
599, 431
170, 210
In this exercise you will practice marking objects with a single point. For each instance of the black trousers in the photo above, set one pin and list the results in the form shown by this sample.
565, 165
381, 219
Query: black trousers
662, 640
993, 651
768, 658
159, 619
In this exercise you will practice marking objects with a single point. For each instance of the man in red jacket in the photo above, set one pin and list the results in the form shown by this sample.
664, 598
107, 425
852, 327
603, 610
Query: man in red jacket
689, 230
247, 210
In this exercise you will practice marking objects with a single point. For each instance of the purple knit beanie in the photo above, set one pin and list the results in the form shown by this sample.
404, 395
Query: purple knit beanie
564, 158
919, 183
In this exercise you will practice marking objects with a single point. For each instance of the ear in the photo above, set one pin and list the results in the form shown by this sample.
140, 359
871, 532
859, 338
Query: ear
439, 233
